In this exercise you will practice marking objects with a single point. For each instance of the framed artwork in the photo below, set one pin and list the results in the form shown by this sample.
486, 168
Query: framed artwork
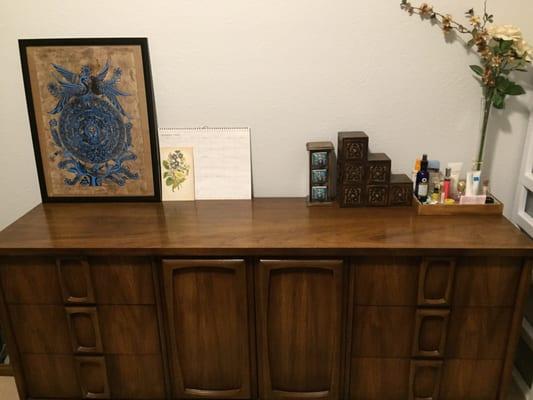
92, 118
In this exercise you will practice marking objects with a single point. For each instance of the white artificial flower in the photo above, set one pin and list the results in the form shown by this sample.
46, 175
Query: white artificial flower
505, 32
524, 50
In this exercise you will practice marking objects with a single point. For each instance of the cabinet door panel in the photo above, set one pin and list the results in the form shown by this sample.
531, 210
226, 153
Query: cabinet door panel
207, 311
484, 281
386, 281
299, 328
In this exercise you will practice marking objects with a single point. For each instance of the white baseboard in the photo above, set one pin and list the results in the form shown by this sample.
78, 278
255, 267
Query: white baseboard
525, 390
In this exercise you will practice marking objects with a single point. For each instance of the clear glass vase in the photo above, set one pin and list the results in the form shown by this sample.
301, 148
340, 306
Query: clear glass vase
486, 105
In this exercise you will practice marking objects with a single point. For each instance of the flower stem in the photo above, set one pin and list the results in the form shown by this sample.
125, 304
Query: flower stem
486, 114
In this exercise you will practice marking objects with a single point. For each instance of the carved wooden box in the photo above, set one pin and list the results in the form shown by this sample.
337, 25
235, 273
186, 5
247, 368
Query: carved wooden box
379, 165
377, 195
352, 168
322, 165
401, 190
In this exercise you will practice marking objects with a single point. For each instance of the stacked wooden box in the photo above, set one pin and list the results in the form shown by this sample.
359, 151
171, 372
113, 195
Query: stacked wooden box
365, 179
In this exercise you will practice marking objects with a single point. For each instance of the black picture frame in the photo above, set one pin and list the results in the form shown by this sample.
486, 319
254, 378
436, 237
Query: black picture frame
24, 44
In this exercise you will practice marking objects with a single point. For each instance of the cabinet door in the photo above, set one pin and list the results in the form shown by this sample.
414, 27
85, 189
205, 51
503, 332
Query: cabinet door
299, 309
207, 312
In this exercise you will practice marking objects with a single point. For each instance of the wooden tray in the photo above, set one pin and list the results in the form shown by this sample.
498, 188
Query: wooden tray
459, 209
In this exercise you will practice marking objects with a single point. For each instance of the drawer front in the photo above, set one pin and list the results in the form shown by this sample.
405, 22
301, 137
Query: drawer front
379, 379
471, 379
487, 281
92, 376
404, 332
386, 281
437, 282
51, 376
85, 330
401, 379
77, 280
136, 376
479, 333
40, 329
110, 376
425, 379
431, 328
383, 331
30, 280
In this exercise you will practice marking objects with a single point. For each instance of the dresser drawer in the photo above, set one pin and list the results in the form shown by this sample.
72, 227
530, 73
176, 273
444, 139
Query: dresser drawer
478, 333
30, 280
437, 282
404, 332
386, 281
487, 281
86, 330
77, 280
404, 379
40, 329
383, 331
110, 376
470, 379
51, 376
379, 379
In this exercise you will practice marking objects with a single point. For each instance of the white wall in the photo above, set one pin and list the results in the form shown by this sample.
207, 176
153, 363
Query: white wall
294, 71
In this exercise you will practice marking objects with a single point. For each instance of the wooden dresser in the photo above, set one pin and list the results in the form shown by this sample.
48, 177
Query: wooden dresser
263, 299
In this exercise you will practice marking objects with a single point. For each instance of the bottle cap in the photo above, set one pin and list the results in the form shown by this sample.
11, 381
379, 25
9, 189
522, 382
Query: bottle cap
448, 172
424, 162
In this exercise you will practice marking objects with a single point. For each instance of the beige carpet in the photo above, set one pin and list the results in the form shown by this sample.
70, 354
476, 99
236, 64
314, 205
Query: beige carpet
8, 390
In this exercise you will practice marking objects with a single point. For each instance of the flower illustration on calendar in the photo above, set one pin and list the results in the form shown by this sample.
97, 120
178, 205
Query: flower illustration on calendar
178, 176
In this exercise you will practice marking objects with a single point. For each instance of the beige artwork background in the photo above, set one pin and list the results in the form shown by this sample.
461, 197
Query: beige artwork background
129, 59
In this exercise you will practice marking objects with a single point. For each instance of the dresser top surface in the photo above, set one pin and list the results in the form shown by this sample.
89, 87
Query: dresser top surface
261, 227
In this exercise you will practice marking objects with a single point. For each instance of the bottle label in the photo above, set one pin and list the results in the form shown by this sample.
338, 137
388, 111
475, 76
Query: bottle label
422, 189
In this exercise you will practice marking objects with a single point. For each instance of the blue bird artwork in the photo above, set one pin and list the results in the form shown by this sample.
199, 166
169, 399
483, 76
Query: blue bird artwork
91, 127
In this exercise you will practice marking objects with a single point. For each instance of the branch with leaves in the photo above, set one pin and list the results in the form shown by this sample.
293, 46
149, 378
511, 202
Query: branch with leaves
501, 49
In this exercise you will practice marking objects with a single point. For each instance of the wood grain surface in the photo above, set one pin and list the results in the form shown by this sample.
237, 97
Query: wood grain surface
257, 227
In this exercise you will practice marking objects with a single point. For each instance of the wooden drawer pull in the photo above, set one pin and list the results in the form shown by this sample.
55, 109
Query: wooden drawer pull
424, 380
92, 375
75, 280
84, 330
431, 327
435, 282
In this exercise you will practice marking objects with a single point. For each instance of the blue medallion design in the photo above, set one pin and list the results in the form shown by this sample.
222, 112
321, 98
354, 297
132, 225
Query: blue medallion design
91, 127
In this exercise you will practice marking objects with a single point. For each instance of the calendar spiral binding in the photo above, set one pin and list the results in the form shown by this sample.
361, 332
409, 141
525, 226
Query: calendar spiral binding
205, 127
